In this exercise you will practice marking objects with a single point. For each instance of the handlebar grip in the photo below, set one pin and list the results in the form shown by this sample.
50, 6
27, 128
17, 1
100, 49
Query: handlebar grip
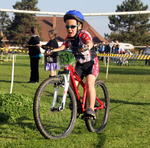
65, 71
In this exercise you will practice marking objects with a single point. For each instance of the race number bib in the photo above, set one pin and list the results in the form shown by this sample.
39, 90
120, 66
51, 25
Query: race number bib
65, 58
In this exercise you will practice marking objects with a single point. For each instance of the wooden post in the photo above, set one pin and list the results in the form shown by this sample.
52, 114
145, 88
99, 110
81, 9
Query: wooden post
54, 21
107, 68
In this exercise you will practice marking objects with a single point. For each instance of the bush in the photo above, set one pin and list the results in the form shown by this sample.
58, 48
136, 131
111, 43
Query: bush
14, 107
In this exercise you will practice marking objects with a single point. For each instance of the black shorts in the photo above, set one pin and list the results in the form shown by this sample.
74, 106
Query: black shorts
84, 69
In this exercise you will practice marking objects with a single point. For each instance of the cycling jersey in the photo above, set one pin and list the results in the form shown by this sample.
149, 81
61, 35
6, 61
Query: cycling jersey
77, 42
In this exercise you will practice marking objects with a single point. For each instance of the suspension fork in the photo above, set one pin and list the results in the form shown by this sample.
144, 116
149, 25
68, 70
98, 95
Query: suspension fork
66, 79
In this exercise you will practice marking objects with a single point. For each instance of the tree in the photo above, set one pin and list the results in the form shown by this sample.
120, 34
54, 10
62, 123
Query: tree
19, 30
4, 22
130, 28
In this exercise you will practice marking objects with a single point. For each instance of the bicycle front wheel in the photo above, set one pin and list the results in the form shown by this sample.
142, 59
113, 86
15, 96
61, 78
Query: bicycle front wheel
54, 124
98, 124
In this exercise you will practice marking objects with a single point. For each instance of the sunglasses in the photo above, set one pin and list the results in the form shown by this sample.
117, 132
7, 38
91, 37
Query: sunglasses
50, 33
71, 26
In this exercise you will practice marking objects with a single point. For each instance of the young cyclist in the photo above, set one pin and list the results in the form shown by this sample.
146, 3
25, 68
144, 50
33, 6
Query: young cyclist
87, 65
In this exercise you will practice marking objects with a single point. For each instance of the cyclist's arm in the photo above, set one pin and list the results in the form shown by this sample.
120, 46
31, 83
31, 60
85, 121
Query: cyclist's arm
89, 44
62, 47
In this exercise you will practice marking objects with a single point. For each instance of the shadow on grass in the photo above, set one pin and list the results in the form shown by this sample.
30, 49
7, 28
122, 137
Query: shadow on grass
127, 102
6, 81
102, 139
22, 121
4, 118
16, 64
25, 122
100, 136
126, 70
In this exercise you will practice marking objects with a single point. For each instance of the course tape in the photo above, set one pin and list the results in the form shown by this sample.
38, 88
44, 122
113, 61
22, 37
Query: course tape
126, 56
6, 60
21, 48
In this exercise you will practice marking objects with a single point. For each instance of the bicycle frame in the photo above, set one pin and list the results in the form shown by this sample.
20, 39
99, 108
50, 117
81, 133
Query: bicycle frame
73, 77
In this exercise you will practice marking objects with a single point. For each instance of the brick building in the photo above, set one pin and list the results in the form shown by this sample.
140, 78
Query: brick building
48, 23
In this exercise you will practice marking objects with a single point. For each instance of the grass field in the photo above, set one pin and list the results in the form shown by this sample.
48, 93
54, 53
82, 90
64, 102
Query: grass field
129, 119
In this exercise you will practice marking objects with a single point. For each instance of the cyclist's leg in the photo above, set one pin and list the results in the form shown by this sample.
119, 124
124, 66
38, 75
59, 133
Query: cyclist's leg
91, 94
92, 73
101, 118
76, 82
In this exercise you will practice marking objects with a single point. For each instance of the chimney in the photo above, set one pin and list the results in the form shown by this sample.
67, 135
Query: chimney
54, 21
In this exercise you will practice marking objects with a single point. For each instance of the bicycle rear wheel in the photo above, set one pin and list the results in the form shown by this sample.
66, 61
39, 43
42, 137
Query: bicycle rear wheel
54, 124
98, 124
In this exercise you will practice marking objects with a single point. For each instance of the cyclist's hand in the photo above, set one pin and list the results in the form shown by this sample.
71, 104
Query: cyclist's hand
48, 52
83, 48
39, 45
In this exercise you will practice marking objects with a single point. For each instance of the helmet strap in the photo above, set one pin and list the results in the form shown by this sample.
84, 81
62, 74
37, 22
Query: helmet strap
77, 27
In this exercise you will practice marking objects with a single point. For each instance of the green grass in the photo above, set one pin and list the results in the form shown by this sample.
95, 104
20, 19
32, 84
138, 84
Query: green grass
129, 118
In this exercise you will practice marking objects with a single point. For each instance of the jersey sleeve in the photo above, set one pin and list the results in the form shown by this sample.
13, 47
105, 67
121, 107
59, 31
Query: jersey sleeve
65, 43
85, 36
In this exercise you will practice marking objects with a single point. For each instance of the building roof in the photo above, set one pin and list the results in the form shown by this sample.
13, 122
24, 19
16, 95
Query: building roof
46, 24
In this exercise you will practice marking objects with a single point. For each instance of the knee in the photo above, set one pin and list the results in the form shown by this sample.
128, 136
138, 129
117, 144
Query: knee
89, 84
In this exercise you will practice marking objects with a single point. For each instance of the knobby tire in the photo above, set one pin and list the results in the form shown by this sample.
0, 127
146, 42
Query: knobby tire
54, 124
100, 122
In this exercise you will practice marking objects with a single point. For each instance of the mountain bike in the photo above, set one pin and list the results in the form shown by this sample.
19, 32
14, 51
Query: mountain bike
122, 60
58, 102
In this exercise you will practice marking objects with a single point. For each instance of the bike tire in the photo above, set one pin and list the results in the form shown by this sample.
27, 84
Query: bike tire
97, 125
54, 124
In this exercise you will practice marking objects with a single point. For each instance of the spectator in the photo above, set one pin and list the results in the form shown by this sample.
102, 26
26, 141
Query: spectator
35, 55
102, 47
114, 51
122, 51
113, 48
102, 50
117, 47
51, 61
107, 50
97, 48
147, 52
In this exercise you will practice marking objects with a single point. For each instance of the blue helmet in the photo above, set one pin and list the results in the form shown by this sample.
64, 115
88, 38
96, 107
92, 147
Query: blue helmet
74, 14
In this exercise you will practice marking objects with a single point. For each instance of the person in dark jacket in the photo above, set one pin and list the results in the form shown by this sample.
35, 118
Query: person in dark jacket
107, 50
35, 55
51, 61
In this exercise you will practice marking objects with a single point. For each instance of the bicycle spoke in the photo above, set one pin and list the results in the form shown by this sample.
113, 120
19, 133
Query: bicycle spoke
53, 124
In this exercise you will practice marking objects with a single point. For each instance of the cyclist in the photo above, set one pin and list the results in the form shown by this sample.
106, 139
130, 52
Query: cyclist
87, 65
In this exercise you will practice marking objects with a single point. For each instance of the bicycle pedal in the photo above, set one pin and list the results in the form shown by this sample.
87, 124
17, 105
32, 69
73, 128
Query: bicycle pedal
88, 117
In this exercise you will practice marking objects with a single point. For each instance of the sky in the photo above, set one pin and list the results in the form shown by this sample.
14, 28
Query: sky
99, 23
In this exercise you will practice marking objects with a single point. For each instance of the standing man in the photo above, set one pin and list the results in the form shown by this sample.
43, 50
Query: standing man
35, 55
147, 52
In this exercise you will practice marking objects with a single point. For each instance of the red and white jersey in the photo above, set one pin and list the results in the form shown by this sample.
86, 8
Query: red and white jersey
74, 43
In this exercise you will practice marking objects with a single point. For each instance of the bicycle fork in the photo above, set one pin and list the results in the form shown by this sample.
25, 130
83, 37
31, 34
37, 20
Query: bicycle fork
66, 86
